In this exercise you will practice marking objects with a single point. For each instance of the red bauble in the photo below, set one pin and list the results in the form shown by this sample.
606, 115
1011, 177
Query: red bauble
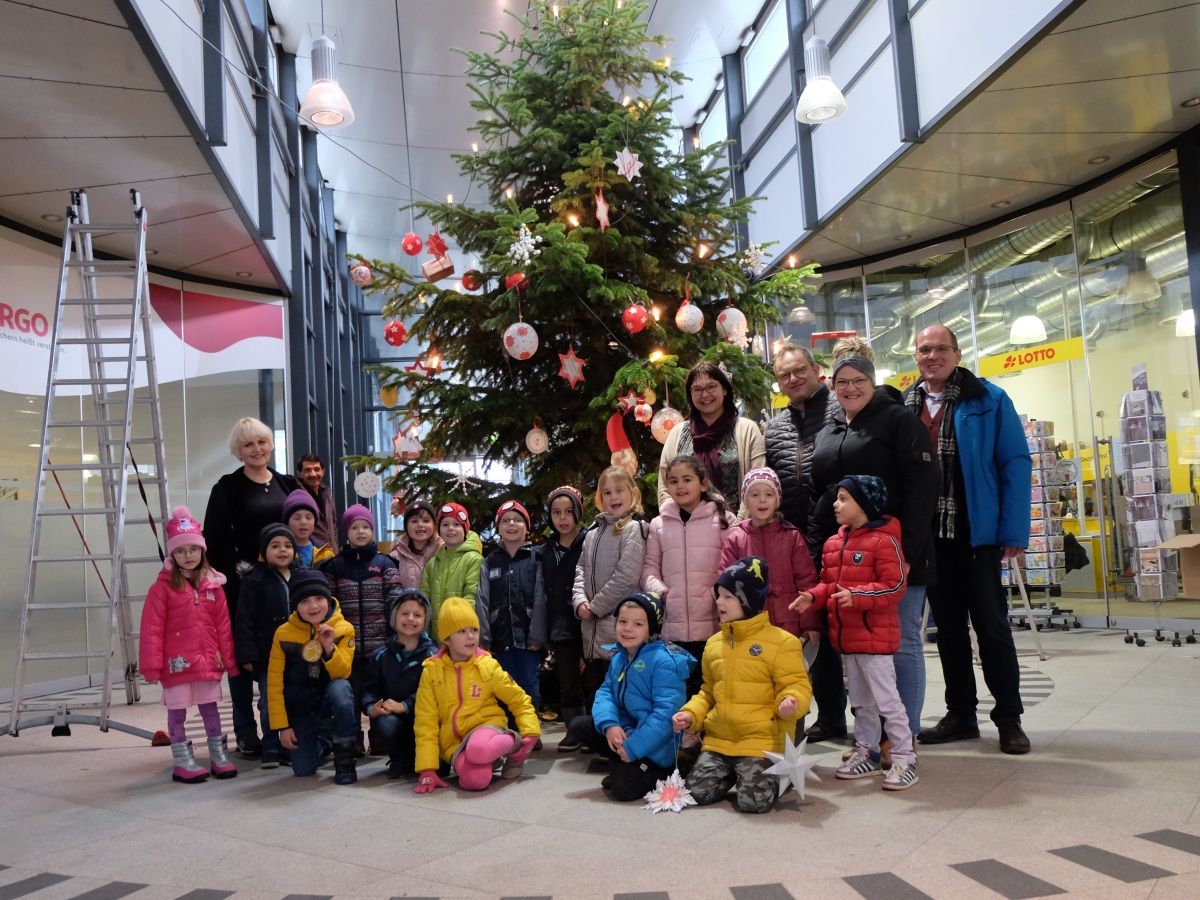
472, 280
517, 281
643, 412
635, 318
411, 244
395, 333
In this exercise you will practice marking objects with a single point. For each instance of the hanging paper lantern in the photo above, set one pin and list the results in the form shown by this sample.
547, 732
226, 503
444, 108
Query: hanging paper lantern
517, 281
662, 423
536, 440
635, 318
520, 340
395, 333
389, 395
411, 244
361, 275
732, 326
690, 318
472, 280
643, 412
367, 484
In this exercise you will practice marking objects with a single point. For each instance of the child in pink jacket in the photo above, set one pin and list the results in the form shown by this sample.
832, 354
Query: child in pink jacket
784, 548
683, 555
186, 643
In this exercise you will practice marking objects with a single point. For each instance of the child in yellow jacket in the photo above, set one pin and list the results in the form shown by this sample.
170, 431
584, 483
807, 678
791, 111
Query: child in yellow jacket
308, 678
458, 720
757, 671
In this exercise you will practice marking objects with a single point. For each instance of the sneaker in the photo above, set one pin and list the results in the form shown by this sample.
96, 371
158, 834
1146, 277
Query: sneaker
948, 730
248, 743
859, 765
271, 760
900, 777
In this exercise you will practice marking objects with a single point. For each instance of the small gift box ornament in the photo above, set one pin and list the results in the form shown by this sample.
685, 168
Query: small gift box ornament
440, 265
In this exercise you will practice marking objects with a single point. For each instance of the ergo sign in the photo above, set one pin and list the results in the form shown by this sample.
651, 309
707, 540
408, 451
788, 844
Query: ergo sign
22, 320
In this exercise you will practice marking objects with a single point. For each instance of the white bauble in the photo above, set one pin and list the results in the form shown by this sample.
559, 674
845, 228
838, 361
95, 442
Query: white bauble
520, 340
690, 318
536, 440
662, 423
732, 326
367, 484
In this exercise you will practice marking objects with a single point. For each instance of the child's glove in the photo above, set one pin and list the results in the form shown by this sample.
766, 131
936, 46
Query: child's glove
527, 744
428, 781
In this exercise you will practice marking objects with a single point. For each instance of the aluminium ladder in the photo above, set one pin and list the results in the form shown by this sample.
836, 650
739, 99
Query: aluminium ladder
83, 560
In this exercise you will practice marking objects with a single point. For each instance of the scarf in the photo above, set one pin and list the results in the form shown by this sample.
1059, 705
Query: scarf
707, 439
946, 513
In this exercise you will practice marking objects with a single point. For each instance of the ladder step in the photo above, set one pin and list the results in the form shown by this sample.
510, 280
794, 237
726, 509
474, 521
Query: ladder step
114, 317
88, 228
88, 423
95, 654
96, 557
114, 400
82, 511
97, 340
101, 301
90, 381
144, 440
77, 605
83, 467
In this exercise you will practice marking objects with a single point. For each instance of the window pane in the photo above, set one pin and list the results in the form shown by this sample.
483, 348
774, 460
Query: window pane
765, 51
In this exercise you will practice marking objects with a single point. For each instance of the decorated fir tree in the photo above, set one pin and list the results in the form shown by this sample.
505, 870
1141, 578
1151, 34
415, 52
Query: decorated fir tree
601, 245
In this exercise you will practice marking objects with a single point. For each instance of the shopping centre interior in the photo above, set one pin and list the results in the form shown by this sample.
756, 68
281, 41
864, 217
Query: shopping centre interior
1026, 173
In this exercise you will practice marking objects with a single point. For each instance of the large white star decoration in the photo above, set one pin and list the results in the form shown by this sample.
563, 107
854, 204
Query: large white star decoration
628, 164
572, 367
669, 795
420, 366
792, 766
601, 210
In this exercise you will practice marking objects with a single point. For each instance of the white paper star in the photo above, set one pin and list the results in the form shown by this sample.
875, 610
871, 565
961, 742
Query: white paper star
628, 164
601, 211
669, 795
572, 367
792, 766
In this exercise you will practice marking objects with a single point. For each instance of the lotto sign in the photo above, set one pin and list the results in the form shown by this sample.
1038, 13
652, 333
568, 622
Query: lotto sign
1031, 357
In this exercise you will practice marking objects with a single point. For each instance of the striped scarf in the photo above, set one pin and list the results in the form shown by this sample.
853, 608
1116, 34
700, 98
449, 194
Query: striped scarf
946, 513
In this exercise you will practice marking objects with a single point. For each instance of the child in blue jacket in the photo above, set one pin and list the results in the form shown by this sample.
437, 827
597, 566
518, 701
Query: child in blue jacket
393, 675
631, 715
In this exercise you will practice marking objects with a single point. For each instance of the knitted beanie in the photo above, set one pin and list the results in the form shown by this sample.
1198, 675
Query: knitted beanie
307, 583
513, 506
455, 615
459, 514
394, 603
299, 499
353, 514
868, 491
419, 506
652, 603
269, 533
570, 493
746, 579
762, 475
183, 530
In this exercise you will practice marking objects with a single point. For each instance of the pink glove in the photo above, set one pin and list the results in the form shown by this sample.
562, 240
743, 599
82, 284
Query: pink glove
428, 781
527, 744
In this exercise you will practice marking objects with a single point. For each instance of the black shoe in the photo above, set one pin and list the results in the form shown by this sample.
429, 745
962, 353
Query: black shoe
606, 782
568, 744
949, 729
1013, 738
344, 771
398, 769
248, 743
823, 731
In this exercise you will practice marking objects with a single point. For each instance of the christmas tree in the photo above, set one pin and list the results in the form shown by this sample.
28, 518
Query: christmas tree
596, 228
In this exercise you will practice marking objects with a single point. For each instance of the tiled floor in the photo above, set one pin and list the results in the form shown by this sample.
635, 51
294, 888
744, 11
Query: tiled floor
1105, 806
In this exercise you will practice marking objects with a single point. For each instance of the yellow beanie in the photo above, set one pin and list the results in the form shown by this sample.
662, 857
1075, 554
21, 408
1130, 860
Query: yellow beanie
455, 615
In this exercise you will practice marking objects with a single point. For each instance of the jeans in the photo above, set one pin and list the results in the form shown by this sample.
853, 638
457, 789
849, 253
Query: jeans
522, 667
968, 593
270, 739
338, 712
395, 733
910, 658
241, 695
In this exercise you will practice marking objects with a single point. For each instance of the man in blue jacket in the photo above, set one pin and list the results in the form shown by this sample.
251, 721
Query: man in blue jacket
982, 520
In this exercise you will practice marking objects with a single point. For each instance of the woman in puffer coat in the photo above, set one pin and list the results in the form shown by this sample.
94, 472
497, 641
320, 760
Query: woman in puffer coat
683, 557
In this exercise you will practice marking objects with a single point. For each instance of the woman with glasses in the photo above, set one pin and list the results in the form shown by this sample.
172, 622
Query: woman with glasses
870, 433
727, 445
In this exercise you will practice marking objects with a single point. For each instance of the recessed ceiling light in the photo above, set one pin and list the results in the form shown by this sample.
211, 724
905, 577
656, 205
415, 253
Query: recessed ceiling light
243, 274
1190, 102
52, 217
152, 253
1000, 204
903, 237
1097, 160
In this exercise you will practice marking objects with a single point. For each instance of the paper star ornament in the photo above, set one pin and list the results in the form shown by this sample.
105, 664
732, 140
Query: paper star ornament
669, 795
628, 402
628, 164
601, 211
420, 366
572, 367
435, 245
792, 766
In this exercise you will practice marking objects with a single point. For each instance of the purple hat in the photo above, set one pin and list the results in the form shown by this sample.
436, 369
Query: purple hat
299, 499
353, 514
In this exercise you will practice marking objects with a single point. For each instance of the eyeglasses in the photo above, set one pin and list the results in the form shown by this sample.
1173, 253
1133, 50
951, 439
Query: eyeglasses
793, 374
512, 520
711, 388
857, 383
936, 348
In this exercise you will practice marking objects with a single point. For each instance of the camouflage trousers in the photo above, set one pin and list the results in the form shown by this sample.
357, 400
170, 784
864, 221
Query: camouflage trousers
714, 774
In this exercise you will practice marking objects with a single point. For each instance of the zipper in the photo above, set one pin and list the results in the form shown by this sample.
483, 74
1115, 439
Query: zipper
454, 715
687, 600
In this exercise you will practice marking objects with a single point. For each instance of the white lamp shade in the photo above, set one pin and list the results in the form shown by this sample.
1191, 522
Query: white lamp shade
326, 104
1027, 330
1185, 325
820, 100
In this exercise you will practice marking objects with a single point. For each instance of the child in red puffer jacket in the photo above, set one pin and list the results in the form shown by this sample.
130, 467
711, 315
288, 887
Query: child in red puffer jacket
863, 576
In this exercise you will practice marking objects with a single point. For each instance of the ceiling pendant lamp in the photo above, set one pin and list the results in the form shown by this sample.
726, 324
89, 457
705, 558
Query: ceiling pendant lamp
326, 104
1140, 286
1185, 325
821, 100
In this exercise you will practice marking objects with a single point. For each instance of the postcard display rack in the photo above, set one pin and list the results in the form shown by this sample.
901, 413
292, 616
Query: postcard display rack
1043, 565
1146, 487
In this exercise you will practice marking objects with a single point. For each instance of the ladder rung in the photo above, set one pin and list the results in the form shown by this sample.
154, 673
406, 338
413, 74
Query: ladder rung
115, 317
81, 511
87, 423
76, 605
95, 654
91, 381
100, 301
98, 340
96, 557
113, 400
89, 227
82, 467
144, 440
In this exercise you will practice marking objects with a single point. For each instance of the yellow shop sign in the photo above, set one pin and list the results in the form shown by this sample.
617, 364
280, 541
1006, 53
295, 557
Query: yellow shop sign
1031, 357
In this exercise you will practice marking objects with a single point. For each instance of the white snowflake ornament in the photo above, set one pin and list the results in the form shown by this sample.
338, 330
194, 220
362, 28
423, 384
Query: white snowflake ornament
669, 795
754, 259
524, 248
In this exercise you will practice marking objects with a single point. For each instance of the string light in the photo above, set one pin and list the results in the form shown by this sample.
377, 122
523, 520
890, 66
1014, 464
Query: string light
508, 193
625, 100
555, 8
792, 261
450, 199
656, 354
475, 148
702, 250
656, 312
696, 141
574, 220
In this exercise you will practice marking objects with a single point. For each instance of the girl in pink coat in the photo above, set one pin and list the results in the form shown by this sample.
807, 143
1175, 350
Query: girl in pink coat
187, 644
784, 548
683, 556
